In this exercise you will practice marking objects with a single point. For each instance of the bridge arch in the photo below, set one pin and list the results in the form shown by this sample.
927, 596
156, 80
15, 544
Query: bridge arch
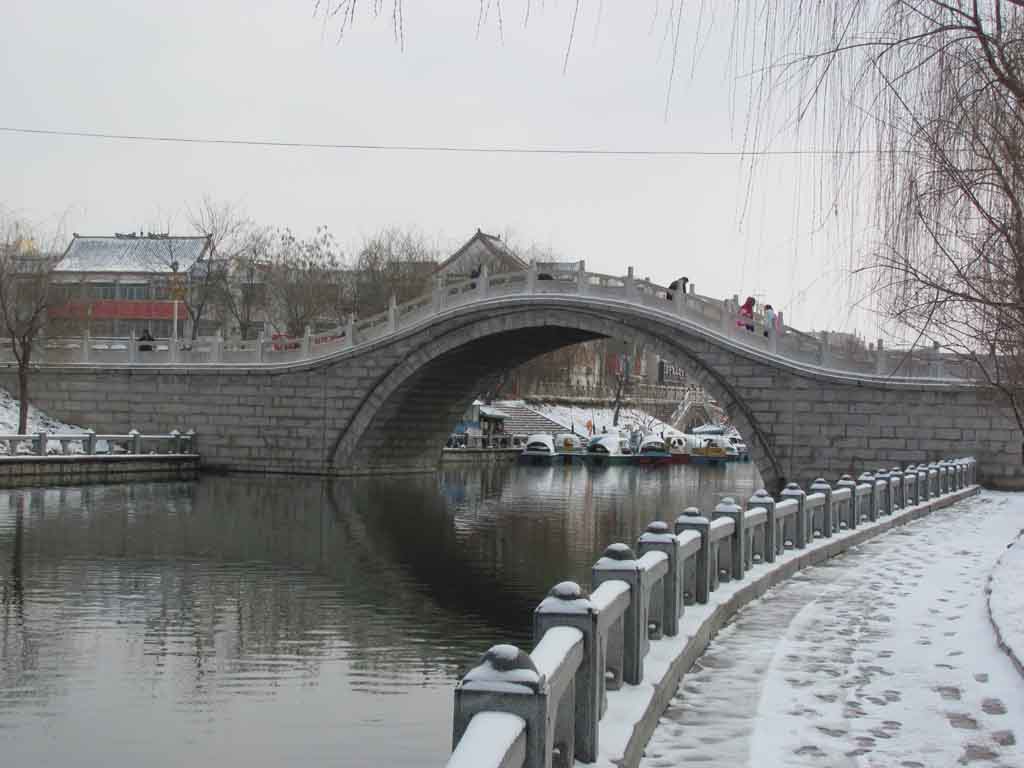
413, 406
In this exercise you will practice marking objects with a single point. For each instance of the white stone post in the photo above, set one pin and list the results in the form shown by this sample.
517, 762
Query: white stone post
84, 351
531, 277
259, 347
350, 332
483, 282
437, 303
133, 347
135, 439
40, 443
217, 348
581, 279
938, 369
392, 313
630, 287
826, 350
728, 318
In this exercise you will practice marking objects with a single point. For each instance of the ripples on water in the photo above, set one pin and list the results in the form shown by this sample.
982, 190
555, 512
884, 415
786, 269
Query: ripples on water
273, 621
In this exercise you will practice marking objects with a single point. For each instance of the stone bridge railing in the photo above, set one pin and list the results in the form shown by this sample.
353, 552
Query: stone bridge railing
89, 443
543, 708
716, 315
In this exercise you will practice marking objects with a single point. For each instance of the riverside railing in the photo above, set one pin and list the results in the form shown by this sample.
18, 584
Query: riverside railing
543, 708
718, 316
90, 443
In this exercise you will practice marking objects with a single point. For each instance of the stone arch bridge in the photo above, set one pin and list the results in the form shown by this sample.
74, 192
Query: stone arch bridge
386, 403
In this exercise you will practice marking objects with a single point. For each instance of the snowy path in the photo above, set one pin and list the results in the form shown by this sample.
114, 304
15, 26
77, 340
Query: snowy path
882, 657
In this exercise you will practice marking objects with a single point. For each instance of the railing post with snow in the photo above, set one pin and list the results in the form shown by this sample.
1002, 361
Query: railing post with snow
506, 680
896, 488
392, 313
39, 443
923, 492
84, 351
619, 563
567, 606
869, 479
89, 443
884, 499
910, 496
658, 538
727, 507
307, 343
135, 440
853, 513
691, 520
762, 498
822, 487
531, 277
800, 526
259, 347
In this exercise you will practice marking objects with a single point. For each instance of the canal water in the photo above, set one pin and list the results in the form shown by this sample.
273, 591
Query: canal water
290, 621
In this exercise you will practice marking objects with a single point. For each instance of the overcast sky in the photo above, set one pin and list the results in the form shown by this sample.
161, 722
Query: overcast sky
269, 69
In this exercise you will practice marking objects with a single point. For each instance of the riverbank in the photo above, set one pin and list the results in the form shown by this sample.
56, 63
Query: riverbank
883, 656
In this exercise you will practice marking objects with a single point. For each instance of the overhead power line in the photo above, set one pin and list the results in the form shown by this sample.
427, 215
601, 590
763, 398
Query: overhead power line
494, 150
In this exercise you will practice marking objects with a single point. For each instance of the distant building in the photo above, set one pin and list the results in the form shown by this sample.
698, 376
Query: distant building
479, 251
123, 284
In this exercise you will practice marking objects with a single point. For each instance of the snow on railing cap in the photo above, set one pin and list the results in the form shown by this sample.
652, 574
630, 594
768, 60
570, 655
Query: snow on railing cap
793, 489
727, 505
691, 512
504, 667
567, 590
618, 551
657, 531
865, 476
760, 496
820, 484
845, 479
565, 597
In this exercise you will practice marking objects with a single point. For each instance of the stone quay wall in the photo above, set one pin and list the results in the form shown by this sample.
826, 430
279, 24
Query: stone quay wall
36, 471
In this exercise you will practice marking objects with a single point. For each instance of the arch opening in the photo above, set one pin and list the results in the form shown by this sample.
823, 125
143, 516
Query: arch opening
409, 415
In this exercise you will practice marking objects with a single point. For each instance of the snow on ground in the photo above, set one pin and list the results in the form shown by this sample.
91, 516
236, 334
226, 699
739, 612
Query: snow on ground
37, 422
882, 657
576, 417
1006, 598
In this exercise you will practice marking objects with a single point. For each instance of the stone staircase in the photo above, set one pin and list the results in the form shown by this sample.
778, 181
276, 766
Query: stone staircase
523, 420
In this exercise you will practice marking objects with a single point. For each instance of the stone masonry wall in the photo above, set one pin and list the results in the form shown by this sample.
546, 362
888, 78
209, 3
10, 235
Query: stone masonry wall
388, 406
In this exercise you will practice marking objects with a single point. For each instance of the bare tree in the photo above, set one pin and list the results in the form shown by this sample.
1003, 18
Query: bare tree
224, 285
301, 279
394, 262
933, 90
25, 270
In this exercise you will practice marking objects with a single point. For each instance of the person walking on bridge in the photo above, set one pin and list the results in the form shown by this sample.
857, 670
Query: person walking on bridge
771, 319
746, 318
